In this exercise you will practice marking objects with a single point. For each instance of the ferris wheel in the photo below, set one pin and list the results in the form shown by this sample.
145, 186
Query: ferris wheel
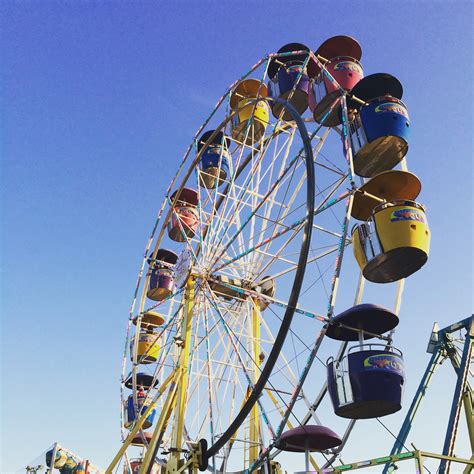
230, 347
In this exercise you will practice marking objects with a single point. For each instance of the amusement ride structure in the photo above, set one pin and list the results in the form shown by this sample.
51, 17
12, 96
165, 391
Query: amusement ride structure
65, 461
234, 340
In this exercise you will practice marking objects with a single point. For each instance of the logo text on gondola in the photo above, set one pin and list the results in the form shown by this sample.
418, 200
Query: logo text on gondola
387, 362
348, 66
407, 215
392, 107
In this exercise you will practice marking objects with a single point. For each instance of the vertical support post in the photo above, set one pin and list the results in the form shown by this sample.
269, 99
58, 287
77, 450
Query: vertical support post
53, 457
420, 393
361, 337
180, 411
468, 410
346, 139
419, 462
398, 299
254, 437
149, 458
306, 456
453, 422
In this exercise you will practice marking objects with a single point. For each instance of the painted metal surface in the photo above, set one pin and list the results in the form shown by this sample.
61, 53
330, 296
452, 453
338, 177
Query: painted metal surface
161, 284
308, 437
380, 126
183, 223
385, 186
340, 74
148, 347
214, 162
372, 318
368, 383
143, 380
394, 244
142, 408
250, 121
289, 80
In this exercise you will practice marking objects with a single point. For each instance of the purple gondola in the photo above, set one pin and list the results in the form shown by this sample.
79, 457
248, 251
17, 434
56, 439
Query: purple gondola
308, 438
288, 80
161, 275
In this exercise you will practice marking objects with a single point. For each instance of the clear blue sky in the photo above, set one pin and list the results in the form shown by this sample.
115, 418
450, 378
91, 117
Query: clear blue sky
100, 100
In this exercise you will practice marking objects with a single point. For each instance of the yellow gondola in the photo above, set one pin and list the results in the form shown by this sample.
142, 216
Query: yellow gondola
394, 243
251, 119
148, 347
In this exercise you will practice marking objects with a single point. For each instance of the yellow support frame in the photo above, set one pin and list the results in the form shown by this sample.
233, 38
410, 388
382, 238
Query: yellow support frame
254, 435
175, 400
160, 427
169, 380
180, 408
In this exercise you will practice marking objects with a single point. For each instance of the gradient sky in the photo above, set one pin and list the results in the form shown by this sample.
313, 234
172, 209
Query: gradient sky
99, 101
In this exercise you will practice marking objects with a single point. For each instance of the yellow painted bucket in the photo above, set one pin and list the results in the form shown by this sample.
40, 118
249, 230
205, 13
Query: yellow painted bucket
402, 225
251, 118
358, 247
249, 124
398, 246
148, 348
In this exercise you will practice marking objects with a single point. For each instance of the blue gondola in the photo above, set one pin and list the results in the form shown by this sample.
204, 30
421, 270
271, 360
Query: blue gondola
131, 413
381, 127
368, 381
214, 163
143, 380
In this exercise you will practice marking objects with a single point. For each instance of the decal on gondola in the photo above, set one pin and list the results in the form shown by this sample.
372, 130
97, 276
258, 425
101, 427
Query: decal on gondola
295, 68
392, 107
407, 214
348, 66
387, 362
215, 149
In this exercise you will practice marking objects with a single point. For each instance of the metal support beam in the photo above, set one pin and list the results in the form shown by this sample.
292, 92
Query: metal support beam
439, 346
180, 409
418, 456
468, 401
420, 393
254, 445
155, 441
454, 416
